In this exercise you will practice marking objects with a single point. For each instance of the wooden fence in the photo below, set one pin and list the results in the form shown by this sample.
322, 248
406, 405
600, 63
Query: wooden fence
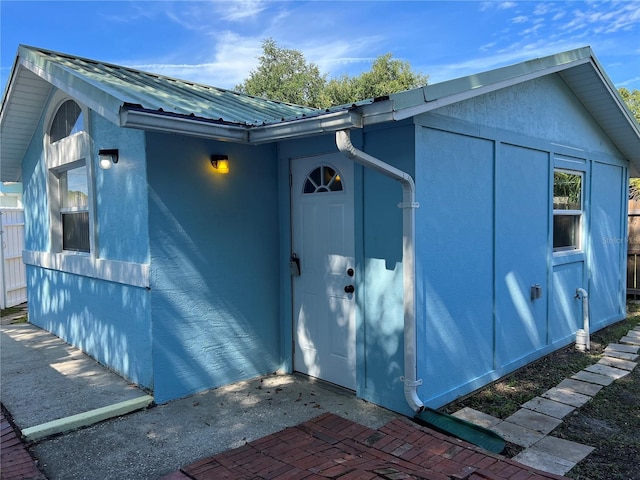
13, 278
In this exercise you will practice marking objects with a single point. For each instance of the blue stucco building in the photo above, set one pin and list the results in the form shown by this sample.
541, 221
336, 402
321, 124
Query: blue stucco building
411, 248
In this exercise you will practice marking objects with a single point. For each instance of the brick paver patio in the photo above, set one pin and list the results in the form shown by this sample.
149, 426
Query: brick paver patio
330, 446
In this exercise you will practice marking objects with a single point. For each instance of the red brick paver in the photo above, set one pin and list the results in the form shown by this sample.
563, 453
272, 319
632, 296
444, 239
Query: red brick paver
15, 461
332, 447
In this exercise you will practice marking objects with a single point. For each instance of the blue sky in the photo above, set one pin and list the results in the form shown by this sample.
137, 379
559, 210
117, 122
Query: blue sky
217, 42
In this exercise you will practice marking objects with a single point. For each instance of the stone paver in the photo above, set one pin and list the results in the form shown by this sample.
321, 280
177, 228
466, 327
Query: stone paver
549, 407
579, 386
517, 434
617, 363
623, 355
542, 460
566, 449
566, 396
630, 340
618, 347
476, 417
593, 378
615, 373
534, 420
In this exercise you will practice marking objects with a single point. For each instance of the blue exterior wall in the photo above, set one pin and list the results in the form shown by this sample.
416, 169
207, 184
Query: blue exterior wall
108, 320
381, 303
215, 269
484, 175
378, 257
218, 309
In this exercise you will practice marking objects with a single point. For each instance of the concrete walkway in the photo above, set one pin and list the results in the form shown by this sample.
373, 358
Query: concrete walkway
530, 426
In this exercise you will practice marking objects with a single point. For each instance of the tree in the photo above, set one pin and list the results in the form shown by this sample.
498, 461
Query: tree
387, 75
632, 100
284, 75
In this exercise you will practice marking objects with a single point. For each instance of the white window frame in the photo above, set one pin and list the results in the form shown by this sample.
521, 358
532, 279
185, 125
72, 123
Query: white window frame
75, 150
571, 213
68, 153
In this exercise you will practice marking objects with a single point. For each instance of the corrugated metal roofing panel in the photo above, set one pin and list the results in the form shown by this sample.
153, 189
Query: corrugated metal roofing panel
158, 93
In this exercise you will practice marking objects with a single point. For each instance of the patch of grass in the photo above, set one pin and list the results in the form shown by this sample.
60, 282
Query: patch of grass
610, 422
5, 312
23, 319
504, 397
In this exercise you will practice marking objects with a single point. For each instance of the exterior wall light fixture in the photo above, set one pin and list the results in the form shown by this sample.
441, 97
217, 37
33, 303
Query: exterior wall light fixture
108, 157
220, 163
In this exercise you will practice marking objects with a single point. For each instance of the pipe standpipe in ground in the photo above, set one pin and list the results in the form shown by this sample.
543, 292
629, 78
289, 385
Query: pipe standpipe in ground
583, 341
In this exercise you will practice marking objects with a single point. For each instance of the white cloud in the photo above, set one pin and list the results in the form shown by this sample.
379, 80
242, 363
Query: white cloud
230, 61
238, 10
519, 19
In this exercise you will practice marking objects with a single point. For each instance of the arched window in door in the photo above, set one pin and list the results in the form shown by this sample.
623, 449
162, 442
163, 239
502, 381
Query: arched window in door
323, 179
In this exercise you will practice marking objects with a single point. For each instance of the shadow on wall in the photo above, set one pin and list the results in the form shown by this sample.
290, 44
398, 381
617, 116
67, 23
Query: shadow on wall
215, 296
108, 321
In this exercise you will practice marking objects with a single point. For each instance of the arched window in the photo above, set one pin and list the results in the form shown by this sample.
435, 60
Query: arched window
323, 179
68, 120
67, 155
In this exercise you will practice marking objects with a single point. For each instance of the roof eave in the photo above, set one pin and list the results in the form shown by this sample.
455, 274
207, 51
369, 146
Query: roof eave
75, 86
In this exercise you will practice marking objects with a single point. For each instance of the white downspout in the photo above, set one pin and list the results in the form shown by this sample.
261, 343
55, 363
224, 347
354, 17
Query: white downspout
408, 205
582, 335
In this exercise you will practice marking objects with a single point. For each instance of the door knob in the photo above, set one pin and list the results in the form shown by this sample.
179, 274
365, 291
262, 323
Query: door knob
349, 289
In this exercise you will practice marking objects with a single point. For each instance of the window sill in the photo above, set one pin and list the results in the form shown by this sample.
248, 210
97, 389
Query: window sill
568, 256
83, 264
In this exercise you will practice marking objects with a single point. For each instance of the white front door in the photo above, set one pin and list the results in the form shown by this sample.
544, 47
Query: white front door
323, 240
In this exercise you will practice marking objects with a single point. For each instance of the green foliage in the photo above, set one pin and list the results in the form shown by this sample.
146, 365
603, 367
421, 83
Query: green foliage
387, 75
284, 75
632, 100
634, 189
567, 191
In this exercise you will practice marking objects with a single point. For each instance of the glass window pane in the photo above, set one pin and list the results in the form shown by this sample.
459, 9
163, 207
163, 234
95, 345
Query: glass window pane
323, 179
75, 188
75, 231
566, 232
567, 191
68, 120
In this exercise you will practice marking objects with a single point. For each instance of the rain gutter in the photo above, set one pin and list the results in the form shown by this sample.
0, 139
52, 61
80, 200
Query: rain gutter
408, 205
323, 123
155, 121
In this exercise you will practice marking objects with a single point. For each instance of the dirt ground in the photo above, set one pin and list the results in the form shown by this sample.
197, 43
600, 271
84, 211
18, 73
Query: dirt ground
610, 422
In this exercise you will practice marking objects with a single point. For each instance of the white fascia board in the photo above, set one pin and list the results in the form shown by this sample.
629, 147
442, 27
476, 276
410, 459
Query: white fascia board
477, 91
84, 92
186, 126
325, 123
615, 94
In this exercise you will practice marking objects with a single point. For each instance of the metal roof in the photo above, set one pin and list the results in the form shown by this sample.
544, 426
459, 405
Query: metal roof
131, 98
111, 89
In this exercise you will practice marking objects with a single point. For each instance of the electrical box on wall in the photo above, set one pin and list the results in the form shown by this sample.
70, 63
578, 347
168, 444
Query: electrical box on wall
536, 292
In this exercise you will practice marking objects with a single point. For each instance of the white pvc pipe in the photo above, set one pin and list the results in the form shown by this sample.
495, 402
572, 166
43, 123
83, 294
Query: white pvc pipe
408, 205
581, 292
